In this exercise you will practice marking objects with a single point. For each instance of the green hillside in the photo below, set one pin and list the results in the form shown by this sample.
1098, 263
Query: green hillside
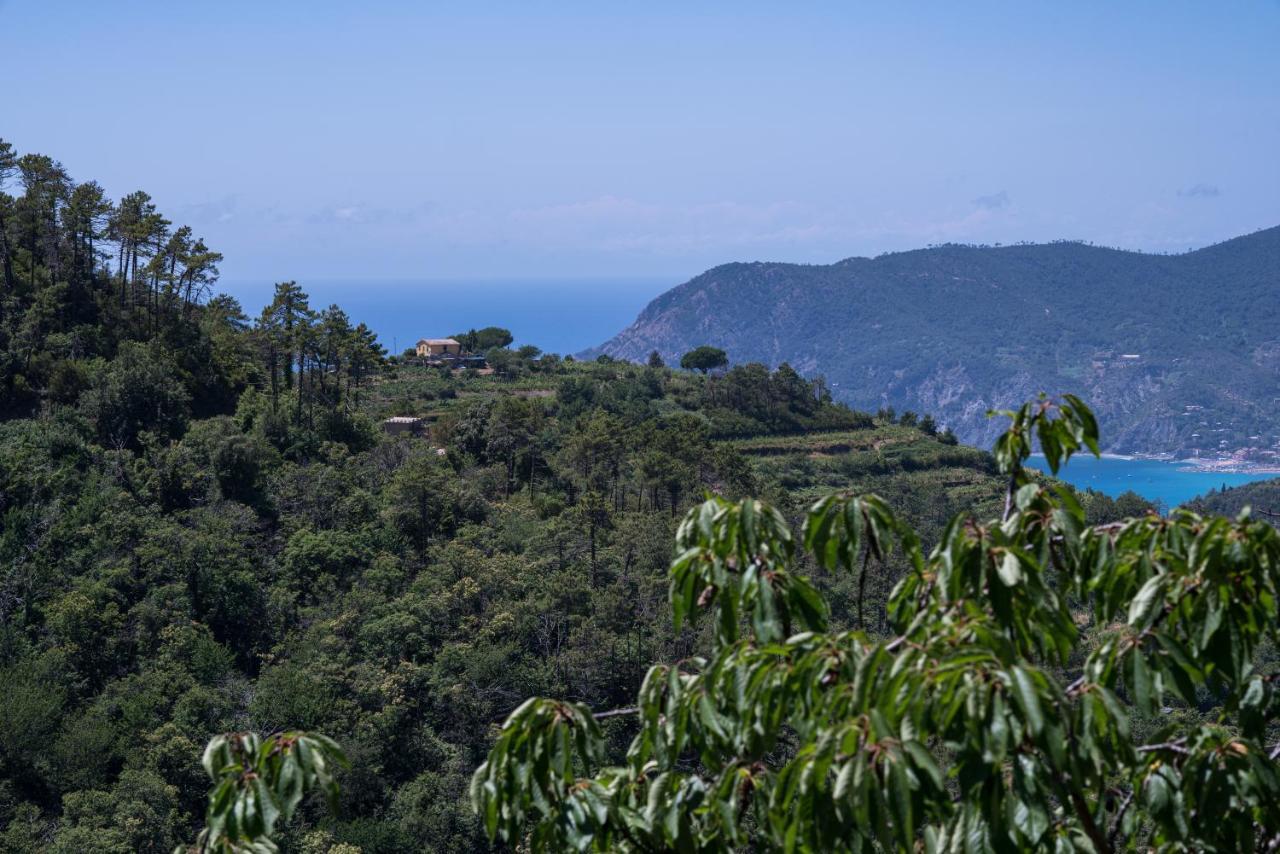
207, 526
203, 528
1178, 353
1262, 496
246, 570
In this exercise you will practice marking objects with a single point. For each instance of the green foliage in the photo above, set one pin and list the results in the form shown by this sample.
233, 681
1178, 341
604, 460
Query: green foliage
238, 462
749, 400
201, 530
1074, 428
549, 738
137, 391
1261, 498
259, 782
425, 499
30, 706
138, 813
737, 556
703, 359
991, 717
483, 340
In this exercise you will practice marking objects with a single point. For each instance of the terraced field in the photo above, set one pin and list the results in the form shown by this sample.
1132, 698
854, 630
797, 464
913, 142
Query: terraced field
428, 393
920, 476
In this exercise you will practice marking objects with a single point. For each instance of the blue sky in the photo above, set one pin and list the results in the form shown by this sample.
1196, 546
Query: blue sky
405, 140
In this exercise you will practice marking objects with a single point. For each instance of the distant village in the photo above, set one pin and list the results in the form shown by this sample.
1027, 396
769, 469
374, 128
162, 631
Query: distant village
1215, 445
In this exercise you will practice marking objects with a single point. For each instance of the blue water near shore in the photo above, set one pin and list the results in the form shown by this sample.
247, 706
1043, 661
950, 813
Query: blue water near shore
1171, 483
559, 316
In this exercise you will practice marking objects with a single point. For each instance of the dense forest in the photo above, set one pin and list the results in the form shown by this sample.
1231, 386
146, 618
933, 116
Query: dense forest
203, 529
1177, 353
206, 528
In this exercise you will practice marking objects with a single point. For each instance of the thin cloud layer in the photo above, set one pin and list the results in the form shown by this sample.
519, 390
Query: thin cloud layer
993, 202
1200, 191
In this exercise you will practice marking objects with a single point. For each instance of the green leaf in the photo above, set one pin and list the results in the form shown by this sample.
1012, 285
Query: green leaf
1155, 791
1147, 601
1010, 569
1028, 699
924, 761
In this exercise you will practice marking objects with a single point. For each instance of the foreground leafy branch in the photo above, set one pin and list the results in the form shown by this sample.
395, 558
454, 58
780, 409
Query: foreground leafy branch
259, 782
1000, 715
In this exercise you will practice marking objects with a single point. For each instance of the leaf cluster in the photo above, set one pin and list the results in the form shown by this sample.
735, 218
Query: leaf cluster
1002, 714
258, 783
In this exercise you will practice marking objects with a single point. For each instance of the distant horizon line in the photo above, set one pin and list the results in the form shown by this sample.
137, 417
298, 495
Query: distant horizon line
497, 279
682, 277
588, 278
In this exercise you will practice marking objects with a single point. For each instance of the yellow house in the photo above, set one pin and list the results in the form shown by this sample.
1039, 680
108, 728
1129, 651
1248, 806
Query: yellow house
439, 347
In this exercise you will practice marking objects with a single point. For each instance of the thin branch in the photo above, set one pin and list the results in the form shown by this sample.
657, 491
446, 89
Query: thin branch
615, 713
1011, 489
862, 583
1090, 827
1178, 745
1124, 807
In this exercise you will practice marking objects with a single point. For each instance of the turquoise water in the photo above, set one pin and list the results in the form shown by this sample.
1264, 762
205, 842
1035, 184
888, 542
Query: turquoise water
1155, 480
559, 316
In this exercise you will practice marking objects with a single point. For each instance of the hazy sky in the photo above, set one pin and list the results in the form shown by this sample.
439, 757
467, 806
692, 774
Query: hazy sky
381, 140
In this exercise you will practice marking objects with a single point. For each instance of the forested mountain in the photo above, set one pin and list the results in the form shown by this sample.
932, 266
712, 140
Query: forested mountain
202, 529
1178, 354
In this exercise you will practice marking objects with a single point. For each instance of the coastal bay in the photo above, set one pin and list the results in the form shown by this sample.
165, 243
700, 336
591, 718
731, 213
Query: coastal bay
1170, 482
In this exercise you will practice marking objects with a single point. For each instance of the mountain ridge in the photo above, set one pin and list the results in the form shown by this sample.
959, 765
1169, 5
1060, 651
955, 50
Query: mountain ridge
955, 330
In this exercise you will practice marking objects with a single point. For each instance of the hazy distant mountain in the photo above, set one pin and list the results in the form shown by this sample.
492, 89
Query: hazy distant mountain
1178, 353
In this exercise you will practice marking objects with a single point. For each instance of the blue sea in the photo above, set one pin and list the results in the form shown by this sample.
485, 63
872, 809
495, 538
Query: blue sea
561, 316
1171, 483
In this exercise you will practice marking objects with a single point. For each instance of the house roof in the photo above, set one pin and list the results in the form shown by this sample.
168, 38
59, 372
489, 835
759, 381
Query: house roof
439, 341
402, 419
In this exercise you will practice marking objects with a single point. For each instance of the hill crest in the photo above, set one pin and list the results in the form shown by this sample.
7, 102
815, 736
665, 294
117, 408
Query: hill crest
957, 329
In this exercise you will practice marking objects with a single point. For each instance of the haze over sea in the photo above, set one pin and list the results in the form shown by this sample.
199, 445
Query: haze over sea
1167, 481
561, 316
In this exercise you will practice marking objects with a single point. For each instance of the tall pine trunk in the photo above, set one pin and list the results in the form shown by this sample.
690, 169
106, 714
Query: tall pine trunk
6, 260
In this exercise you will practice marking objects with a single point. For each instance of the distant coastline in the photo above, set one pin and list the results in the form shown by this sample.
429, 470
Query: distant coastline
1206, 465
1200, 465
1203, 465
1229, 466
